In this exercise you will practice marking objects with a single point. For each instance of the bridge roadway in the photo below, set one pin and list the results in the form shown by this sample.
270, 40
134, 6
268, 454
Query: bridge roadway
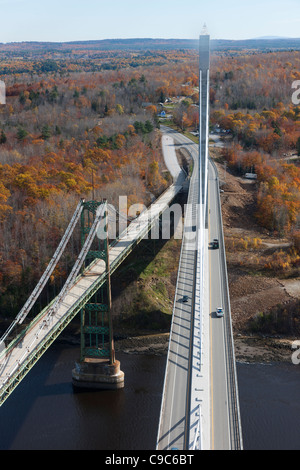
200, 407
22, 353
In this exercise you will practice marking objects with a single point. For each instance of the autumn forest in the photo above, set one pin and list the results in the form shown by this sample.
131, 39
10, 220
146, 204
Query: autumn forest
85, 123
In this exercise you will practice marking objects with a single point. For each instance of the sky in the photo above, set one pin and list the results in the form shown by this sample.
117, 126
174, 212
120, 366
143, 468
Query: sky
71, 20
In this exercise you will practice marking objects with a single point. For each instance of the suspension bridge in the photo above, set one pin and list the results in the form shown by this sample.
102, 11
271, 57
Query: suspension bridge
19, 355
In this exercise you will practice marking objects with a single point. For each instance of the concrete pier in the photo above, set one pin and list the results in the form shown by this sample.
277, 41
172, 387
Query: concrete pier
98, 374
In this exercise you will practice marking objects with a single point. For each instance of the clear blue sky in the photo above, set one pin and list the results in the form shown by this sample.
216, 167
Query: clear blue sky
68, 20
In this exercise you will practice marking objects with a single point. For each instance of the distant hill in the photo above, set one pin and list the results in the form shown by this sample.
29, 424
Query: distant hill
270, 37
266, 43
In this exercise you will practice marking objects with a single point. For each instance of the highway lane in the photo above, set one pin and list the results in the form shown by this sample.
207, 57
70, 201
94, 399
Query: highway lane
170, 158
226, 422
220, 433
180, 390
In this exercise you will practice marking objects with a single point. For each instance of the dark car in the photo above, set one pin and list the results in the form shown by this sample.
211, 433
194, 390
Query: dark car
215, 243
185, 298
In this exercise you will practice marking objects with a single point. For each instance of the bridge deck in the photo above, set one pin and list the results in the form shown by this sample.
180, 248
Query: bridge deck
200, 401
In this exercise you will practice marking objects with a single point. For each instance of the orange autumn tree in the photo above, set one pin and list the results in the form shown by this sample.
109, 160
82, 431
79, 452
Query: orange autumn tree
4, 207
278, 200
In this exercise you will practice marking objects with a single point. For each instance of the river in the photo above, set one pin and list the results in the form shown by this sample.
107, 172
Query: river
45, 413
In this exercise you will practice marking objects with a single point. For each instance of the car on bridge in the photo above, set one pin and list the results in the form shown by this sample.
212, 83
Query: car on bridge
185, 298
219, 312
215, 243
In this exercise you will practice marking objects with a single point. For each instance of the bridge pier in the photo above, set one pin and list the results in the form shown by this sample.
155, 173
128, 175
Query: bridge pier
97, 367
98, 374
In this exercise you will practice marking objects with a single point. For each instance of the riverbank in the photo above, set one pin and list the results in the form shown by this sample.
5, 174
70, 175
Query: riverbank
262, 349
248, 348
126, 342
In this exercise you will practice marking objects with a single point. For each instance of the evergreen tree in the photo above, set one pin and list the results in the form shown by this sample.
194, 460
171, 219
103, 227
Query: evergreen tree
3, 138
46, 132
22, 133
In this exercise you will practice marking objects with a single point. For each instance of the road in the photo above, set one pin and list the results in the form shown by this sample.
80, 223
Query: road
206, 392
173, 432
219, 391
170, 158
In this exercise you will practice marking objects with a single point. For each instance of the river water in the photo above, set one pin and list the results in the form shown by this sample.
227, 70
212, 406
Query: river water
44, 412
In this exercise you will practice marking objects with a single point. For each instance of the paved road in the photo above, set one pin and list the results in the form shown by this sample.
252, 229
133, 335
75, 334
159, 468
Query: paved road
170, 158
226, 425
173, 432
219, 393
182, 391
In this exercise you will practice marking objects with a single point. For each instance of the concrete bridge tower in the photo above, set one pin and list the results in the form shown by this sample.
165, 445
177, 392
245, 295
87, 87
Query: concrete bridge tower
204, 58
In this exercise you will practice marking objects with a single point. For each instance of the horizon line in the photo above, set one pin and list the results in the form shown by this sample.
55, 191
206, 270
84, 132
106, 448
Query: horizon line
262, 38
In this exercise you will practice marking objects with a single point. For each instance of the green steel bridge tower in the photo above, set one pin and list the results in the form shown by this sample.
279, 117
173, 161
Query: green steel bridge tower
97, 367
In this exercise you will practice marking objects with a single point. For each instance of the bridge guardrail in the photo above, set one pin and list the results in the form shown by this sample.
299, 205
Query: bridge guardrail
198, 433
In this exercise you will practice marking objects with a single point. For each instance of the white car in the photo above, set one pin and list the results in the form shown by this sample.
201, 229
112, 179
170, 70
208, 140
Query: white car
219, 312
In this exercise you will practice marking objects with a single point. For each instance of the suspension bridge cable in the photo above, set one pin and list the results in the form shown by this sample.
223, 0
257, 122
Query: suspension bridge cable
75, 271
45, 277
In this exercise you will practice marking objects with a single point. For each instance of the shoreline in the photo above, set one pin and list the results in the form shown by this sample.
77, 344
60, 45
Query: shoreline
262, 349
248, 348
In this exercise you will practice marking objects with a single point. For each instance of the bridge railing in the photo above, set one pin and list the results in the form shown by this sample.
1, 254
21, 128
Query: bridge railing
197, 444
